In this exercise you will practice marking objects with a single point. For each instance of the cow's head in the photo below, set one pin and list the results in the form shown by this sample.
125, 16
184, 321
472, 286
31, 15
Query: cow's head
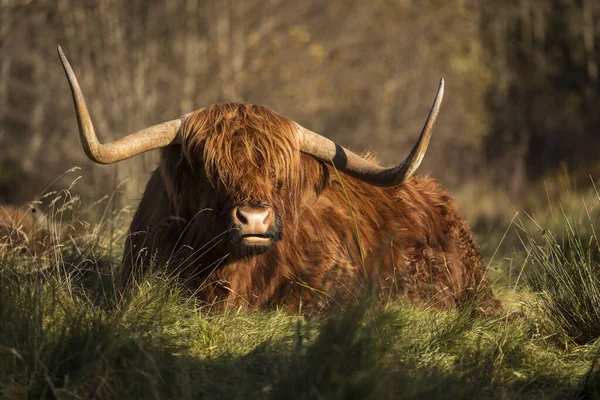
238, 172
243, 167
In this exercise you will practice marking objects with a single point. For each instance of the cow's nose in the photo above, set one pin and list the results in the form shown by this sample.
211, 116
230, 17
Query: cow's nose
253, 220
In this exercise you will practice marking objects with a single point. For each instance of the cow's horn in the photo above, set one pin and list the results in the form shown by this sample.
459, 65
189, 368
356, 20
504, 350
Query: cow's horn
344, 160
145, 140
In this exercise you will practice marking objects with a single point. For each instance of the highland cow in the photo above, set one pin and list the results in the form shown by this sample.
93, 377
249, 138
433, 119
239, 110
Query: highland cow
252, 209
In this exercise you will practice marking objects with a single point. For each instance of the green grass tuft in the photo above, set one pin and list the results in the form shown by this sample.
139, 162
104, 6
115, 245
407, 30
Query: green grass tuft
563, 271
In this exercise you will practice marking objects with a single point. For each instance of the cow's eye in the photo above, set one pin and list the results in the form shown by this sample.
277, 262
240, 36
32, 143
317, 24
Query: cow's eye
256, 203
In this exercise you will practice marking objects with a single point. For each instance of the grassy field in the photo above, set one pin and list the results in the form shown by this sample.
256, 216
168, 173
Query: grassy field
65, 334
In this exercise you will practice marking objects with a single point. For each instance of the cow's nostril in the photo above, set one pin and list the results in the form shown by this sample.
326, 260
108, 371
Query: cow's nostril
240, 216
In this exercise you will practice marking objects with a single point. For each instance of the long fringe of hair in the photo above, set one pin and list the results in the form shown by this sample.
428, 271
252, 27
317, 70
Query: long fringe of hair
246, 150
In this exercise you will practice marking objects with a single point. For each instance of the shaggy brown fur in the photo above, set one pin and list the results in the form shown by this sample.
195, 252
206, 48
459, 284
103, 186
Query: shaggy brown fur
22, 228
340, 234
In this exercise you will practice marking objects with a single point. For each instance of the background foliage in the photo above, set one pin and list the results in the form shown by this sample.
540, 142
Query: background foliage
521, 104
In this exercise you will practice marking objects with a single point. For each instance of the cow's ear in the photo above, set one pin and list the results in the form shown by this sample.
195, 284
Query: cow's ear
174, 173
324, 179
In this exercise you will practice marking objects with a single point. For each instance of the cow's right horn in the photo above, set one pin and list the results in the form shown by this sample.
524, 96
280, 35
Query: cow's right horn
351, 163
151, 138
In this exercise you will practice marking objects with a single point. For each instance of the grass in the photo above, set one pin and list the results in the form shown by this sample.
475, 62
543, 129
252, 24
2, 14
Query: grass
562, 269
61, 342
65, 333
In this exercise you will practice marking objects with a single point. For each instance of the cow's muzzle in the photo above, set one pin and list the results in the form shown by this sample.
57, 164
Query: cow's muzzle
254, 223
257, 228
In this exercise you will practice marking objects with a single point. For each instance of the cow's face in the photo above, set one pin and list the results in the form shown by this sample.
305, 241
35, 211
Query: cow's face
240, 176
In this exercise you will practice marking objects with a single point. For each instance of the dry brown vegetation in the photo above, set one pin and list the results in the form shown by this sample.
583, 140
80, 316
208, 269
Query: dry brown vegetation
522, 81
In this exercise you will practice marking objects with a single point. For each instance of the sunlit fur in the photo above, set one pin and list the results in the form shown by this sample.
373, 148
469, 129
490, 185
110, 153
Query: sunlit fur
23, 229
339, 235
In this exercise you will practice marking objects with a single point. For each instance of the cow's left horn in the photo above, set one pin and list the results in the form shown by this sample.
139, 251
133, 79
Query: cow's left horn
343, 159
145, 140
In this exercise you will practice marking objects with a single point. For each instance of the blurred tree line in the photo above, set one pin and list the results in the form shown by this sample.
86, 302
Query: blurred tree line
522, 98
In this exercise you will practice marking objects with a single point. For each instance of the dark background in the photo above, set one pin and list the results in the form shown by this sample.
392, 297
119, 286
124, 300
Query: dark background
521, 110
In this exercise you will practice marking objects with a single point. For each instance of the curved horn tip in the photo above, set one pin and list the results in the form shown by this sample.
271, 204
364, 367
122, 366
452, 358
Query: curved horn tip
63, 59
439, 95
